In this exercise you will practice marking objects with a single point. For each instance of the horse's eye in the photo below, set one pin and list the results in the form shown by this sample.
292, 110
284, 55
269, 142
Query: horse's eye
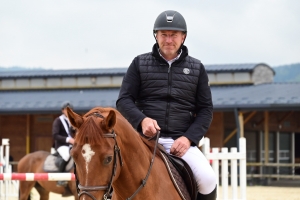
107, 160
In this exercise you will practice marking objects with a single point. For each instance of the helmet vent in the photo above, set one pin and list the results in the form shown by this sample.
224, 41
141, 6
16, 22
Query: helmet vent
169, 18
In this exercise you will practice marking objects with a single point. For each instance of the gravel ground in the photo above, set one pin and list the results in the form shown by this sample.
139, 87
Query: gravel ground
253, 193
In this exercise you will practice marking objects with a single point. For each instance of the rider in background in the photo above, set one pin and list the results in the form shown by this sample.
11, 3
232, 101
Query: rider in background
168, 90
63, 134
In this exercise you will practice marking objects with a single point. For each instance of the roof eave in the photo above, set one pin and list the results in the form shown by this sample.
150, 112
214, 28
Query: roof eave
263, 107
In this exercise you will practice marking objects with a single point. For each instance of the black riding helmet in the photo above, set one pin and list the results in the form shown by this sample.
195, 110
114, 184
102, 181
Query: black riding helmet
66, 104
170, 20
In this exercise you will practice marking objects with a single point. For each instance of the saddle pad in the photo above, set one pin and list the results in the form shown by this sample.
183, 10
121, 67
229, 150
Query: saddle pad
177, 179
49, 164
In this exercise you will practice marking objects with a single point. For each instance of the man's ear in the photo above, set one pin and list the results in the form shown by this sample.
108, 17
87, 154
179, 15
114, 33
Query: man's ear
75, 119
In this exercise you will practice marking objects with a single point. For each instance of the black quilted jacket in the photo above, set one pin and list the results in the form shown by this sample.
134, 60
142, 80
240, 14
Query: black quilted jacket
178, 97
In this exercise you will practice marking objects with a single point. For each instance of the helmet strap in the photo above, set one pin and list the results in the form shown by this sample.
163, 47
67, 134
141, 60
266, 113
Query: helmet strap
155, 39
182, 43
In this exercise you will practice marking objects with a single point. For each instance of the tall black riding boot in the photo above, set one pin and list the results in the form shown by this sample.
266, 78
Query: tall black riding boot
61, 168
210, 196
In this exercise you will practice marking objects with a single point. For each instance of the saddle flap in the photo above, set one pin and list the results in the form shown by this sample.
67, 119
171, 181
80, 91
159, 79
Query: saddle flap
186, 173
50, 166
178, 167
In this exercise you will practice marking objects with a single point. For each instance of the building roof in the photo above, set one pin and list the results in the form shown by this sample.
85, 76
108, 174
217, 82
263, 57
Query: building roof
60, 73
117, 71
272, 96
235, 67
50, 101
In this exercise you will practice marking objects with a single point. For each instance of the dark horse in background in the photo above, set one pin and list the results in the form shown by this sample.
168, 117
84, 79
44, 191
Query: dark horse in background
33, 163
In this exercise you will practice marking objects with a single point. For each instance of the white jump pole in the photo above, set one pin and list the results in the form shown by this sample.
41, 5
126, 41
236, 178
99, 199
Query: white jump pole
4, 164
38, 176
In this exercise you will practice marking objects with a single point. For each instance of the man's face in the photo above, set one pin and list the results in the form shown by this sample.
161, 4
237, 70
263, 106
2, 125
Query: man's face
169, 42
64, 111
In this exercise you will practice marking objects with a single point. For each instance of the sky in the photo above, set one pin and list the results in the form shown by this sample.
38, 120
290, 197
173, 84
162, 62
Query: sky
74, 34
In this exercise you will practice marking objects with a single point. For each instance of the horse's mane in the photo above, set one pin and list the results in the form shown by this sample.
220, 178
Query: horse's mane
93, 132
91, 128
90, 132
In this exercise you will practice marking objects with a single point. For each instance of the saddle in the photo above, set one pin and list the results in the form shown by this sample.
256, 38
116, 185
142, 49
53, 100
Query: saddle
181, 175
52, 163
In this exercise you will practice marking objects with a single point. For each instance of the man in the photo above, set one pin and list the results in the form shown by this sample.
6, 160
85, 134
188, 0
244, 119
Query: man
168, 90
63, 137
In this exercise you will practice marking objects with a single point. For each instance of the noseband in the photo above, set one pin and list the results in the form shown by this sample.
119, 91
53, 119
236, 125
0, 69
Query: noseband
117, 152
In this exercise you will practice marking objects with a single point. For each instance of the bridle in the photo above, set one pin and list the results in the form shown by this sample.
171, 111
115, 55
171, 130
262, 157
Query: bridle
85, 190
117, 152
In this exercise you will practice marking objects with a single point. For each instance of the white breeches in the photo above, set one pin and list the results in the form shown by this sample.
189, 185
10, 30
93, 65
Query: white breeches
64, 152
203, 172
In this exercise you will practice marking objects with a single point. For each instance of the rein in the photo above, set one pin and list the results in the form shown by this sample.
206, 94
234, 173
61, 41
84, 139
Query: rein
144, 181
84, 190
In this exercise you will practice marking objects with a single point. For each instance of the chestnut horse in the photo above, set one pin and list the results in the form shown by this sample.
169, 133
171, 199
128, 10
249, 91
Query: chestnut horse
108, 152
33, 163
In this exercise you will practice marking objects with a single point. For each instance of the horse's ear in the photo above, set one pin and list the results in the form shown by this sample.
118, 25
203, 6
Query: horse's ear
110, 120
75, 119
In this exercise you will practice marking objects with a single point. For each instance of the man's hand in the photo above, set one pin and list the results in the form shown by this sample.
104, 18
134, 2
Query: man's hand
149, 127
180, 146
71, 141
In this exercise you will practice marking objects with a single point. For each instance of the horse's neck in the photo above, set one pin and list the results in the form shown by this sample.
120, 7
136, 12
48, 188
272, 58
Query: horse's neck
136, 158
133, 149
131, 141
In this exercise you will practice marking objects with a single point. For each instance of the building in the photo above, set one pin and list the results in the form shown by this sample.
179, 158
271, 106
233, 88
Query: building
246, 103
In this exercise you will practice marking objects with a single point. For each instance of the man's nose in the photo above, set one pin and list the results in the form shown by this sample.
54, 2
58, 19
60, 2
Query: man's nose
169, 38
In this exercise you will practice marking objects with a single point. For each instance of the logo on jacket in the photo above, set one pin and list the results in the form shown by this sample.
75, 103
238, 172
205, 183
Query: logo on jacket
186, 71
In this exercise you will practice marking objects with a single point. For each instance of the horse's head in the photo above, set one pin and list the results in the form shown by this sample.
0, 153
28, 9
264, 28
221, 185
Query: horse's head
95, 151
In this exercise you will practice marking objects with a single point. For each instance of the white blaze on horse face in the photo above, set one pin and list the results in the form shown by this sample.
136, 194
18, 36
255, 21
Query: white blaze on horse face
87, 154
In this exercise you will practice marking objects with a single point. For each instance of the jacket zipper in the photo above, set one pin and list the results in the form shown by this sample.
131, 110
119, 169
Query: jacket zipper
169, 93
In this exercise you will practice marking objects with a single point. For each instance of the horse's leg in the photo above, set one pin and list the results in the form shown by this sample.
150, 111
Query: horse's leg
25, 188
72, 186
44, 194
